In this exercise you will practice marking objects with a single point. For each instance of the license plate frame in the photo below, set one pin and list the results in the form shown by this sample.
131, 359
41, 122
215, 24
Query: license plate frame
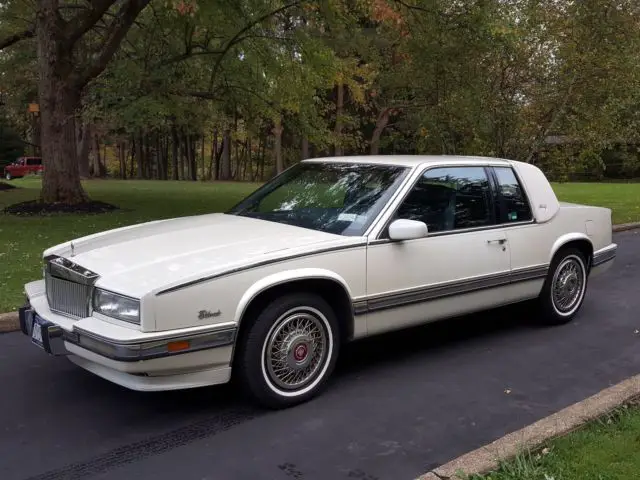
40, 332
36, 334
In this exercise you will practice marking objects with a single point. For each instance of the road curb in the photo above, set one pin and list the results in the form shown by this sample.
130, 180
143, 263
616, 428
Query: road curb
487, 458
625, 226
9, 322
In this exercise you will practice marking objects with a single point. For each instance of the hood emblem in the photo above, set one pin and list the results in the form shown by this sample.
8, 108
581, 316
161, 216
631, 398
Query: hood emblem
73, 250
202, 314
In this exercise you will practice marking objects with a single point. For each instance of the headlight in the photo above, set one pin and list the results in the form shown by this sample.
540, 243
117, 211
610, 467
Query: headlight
116, 306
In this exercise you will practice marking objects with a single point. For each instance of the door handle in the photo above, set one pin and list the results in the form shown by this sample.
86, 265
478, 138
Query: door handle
499, 241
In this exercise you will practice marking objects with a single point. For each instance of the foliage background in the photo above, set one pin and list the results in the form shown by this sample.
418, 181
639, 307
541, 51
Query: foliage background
218, 89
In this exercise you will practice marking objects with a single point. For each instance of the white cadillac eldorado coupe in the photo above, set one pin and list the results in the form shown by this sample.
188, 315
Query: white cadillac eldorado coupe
332, 250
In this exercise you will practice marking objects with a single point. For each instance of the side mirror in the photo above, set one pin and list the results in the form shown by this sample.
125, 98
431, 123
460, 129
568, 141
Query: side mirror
407, 229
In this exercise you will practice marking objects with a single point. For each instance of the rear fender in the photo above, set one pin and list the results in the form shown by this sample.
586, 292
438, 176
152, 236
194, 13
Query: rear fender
566, 238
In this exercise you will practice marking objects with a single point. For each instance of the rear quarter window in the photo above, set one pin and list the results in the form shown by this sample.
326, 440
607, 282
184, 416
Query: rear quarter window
513, 205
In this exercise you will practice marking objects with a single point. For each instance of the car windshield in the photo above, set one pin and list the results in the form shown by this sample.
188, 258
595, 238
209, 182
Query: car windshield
339, 198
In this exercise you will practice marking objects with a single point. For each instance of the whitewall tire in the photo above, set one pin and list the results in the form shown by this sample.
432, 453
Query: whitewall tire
565, 287
289, 350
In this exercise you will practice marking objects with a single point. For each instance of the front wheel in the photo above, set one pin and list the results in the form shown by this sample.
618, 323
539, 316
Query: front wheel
8, 176
565, 287
289, 350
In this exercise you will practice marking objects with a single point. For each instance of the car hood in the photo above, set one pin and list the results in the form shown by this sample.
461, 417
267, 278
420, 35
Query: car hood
143, 258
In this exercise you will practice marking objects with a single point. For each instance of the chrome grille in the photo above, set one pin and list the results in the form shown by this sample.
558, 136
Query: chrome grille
69, 298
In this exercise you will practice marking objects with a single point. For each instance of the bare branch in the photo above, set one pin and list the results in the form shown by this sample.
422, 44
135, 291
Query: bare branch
203, 51
239, 36
186, 56
17, 37
118, 29
412, 7
196, 94
83, 22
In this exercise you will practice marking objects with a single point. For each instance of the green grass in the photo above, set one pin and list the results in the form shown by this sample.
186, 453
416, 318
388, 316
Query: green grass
606, 449
22, 240
622, 198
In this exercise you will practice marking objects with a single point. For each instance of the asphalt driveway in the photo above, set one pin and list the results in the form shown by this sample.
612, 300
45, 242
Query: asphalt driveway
400, 404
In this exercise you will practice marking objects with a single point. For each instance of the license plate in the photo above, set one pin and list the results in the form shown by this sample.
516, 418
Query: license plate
36, 334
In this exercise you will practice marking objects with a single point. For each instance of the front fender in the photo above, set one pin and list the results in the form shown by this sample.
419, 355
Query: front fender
285, 277
566, 238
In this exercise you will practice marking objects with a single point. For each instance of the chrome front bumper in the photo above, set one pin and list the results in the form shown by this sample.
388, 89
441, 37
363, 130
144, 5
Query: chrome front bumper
53, 339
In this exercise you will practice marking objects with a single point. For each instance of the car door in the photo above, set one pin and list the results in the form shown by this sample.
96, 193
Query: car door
529, 242
457, 268
21, 167
32, 165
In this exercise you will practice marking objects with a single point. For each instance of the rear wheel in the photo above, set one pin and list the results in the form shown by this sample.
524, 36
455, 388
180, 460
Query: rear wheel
289, 350
564, 288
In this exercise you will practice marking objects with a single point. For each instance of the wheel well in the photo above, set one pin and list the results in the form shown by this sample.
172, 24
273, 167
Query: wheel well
585, 247
331, 291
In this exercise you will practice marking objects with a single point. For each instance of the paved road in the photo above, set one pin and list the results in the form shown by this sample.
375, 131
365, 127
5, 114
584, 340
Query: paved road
400, 404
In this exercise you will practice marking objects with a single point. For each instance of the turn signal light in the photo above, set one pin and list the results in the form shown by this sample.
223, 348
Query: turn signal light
178, 346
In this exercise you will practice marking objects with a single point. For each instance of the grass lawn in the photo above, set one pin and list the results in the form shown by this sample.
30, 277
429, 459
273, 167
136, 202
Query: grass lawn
607, 449
22, 240
622, 198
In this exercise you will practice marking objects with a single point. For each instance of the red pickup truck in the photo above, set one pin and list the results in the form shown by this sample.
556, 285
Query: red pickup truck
23, 166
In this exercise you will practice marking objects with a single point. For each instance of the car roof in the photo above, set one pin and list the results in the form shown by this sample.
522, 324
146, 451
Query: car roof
411, 160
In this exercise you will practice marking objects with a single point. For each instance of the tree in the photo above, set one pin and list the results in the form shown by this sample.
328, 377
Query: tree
63, 41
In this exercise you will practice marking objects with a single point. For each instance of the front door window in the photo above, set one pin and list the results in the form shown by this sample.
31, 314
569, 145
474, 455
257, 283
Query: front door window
450, 198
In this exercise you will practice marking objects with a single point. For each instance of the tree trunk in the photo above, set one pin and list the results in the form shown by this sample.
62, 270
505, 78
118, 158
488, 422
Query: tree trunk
186, 140
305, 148
139, 155
97, 169
214, 152
247, 164
194, 160
59, 102
338, 126
35, 139
60, 88
277, 133
225, 170
102, 164
122, 156
257, 171
133, 155
174, 153
264, 152
203, 160
83, 146
147, 156
236, 173
381, 124
159, 160
182, 155
165, 158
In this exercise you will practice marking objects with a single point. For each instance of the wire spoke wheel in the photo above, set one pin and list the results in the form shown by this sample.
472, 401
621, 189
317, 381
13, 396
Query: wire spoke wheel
296, 349
568, 285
